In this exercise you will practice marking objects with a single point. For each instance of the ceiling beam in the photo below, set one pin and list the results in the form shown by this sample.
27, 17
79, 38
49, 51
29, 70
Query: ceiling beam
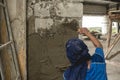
101, 2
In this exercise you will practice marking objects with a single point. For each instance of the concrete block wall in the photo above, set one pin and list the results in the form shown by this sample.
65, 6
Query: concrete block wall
49, 24
52, 11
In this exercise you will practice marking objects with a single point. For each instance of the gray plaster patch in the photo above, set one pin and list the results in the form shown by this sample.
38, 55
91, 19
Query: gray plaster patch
47, 51
46, 47
40, 65
31, 25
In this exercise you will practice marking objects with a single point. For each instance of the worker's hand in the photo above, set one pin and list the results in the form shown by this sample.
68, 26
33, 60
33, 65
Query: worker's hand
94, 40
83, 31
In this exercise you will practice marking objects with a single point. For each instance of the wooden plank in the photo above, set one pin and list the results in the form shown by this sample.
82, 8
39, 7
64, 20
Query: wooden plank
6, 44
4, 52
109, 33
112, 45
1, 70
13, 49
115, 11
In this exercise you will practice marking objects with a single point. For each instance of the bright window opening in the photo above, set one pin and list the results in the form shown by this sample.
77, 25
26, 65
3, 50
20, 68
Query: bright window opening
95, 23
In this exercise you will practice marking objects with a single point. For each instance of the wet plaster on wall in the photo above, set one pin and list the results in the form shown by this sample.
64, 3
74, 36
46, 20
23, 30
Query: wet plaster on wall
46, 51
40, 65
53, 26
31, 25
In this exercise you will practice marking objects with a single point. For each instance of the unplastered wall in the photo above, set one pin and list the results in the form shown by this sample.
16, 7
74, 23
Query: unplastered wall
43, 14
49, 23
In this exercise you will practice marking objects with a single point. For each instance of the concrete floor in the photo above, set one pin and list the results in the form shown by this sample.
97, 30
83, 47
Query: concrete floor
113, 64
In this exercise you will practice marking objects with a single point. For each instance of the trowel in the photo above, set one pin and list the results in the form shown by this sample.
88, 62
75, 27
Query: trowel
75, 26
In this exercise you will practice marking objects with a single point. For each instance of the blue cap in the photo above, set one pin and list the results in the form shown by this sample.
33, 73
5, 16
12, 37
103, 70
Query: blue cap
77, 51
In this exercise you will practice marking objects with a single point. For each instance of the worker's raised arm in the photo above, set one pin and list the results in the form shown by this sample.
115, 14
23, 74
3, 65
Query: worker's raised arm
94, 40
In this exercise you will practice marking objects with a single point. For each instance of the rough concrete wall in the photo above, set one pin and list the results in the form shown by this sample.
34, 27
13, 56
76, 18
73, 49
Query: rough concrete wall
50, 25
17, 13
46, 13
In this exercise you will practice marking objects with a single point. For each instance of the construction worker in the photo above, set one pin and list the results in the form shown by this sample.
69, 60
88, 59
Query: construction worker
83, 66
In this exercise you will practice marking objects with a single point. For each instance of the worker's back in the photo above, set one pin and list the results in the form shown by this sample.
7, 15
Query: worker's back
97, 69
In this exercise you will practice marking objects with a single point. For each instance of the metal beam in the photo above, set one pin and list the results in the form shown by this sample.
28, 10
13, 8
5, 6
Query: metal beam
99, 2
